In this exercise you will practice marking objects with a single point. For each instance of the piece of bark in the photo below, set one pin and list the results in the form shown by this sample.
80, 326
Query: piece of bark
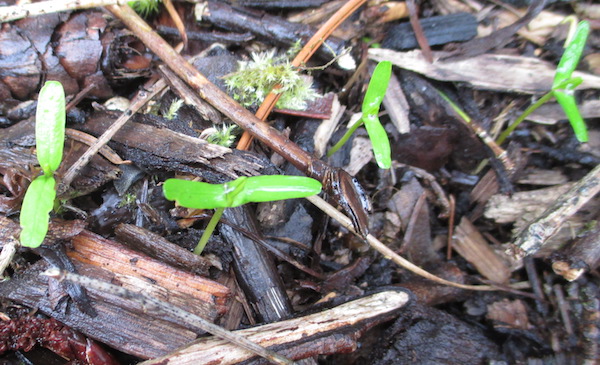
536, 234
255, 269
471, 245
458, 27
156, 246
125, 329
579, 256
326, 332
527, 74
119, 323
92, 249
170, 145
522, 207
267, 27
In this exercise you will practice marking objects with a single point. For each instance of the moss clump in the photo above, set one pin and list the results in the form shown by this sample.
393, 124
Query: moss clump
257, 77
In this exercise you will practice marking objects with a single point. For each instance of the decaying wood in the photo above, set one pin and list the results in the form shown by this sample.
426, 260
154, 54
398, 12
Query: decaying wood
329, 331
265, 26
119, 323
151, 305
255, 268
527, 74
156, 246
535, 235
579, 256
170, 145
471, 245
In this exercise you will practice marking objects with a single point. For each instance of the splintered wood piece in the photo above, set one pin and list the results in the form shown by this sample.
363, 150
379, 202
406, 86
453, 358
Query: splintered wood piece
89, 248
171, 145
535, 235
125, 329
527, 74
325, 332
121, 323
471, 245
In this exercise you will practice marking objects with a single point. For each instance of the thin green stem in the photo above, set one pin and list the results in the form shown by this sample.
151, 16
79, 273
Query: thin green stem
210, 228
544, 99
345, 138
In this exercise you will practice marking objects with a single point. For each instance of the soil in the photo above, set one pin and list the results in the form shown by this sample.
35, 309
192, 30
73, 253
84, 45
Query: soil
454, 203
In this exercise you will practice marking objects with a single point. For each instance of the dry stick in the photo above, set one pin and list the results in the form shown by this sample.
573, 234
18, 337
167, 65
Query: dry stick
387, 252
301, 58
142, 97
16, 12
150, 304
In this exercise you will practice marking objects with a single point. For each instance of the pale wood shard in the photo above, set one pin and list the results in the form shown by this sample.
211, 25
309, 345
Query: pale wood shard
471, 245
92, 249
348, 320
535, 235
527, 74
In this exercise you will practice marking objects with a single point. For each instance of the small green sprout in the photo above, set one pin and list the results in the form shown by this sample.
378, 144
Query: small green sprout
224, 136
563, 87
370, 118
144, 7
243, 190
50, 138
171, 113
256, 78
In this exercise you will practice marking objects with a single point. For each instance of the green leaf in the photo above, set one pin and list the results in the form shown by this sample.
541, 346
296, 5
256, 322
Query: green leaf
570, 58
37, 204
50, 126
199, 195
379, 141
195, 194
370, 109
377, 88
275, 187
569, 105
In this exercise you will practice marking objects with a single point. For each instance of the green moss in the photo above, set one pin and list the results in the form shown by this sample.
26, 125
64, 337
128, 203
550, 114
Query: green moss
256, 78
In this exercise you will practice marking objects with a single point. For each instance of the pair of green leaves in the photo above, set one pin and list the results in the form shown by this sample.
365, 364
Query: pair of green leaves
256, 189
49, 139
563, 87
370, 116
243, 190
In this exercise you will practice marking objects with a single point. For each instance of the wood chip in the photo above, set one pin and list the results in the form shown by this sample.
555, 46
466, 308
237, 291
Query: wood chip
300, 337
527, 75
471, 245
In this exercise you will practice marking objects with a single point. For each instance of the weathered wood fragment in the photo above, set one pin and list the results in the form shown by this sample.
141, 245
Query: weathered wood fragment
330, 331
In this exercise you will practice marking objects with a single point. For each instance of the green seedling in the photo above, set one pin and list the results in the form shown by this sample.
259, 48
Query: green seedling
254, 79
49, 139
563, 87
224, 136
200, 195
370, 116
